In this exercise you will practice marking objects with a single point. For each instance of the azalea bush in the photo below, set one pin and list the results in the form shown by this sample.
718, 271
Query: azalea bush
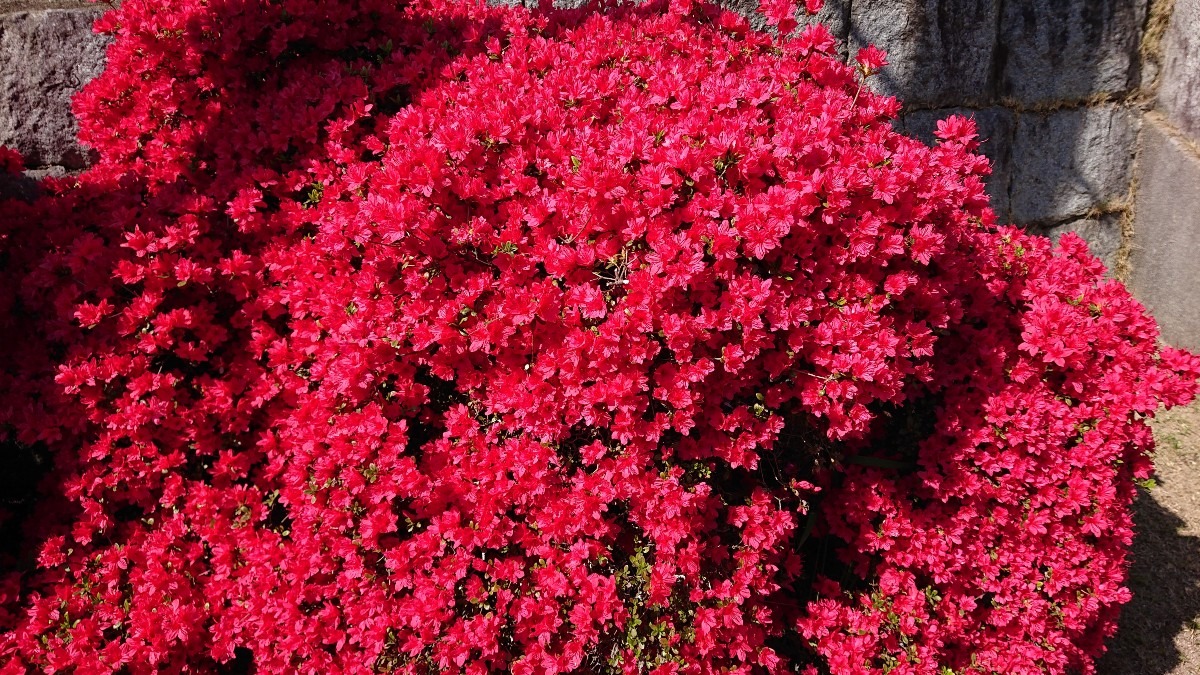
435, 337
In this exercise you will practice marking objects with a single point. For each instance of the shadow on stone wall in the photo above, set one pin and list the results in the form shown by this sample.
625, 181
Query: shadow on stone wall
1050, 84
1057, 89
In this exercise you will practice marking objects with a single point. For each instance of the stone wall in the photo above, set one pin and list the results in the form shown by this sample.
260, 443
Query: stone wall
47, 53
1066, 93
1057, 88
1165, 249
1091, 114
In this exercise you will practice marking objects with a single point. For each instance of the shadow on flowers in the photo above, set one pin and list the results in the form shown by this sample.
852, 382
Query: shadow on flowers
201, 102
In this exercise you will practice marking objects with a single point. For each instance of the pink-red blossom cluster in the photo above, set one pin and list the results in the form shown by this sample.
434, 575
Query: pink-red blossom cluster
435, 337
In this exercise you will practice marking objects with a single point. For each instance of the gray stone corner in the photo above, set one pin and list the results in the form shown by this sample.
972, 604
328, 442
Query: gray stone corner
1165, 256
1179, 80
46, 57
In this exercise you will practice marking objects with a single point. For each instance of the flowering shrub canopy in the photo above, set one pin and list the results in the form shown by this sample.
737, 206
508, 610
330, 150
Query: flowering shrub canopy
437, 337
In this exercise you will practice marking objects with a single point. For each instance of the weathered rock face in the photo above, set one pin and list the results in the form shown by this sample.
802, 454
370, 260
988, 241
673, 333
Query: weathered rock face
996, 128
1179, 93
940, 50
1069, 50
45, 58
1166, 250
1102, 233
1069, 162
11, 6
836, 15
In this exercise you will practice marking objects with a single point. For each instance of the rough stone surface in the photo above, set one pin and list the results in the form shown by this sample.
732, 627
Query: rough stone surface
1166, 246
1102, 233
48, 172
996, 127
45, 58
836, 15
1068, 50
940, 50
1069, 162
1179, 93
10, 6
